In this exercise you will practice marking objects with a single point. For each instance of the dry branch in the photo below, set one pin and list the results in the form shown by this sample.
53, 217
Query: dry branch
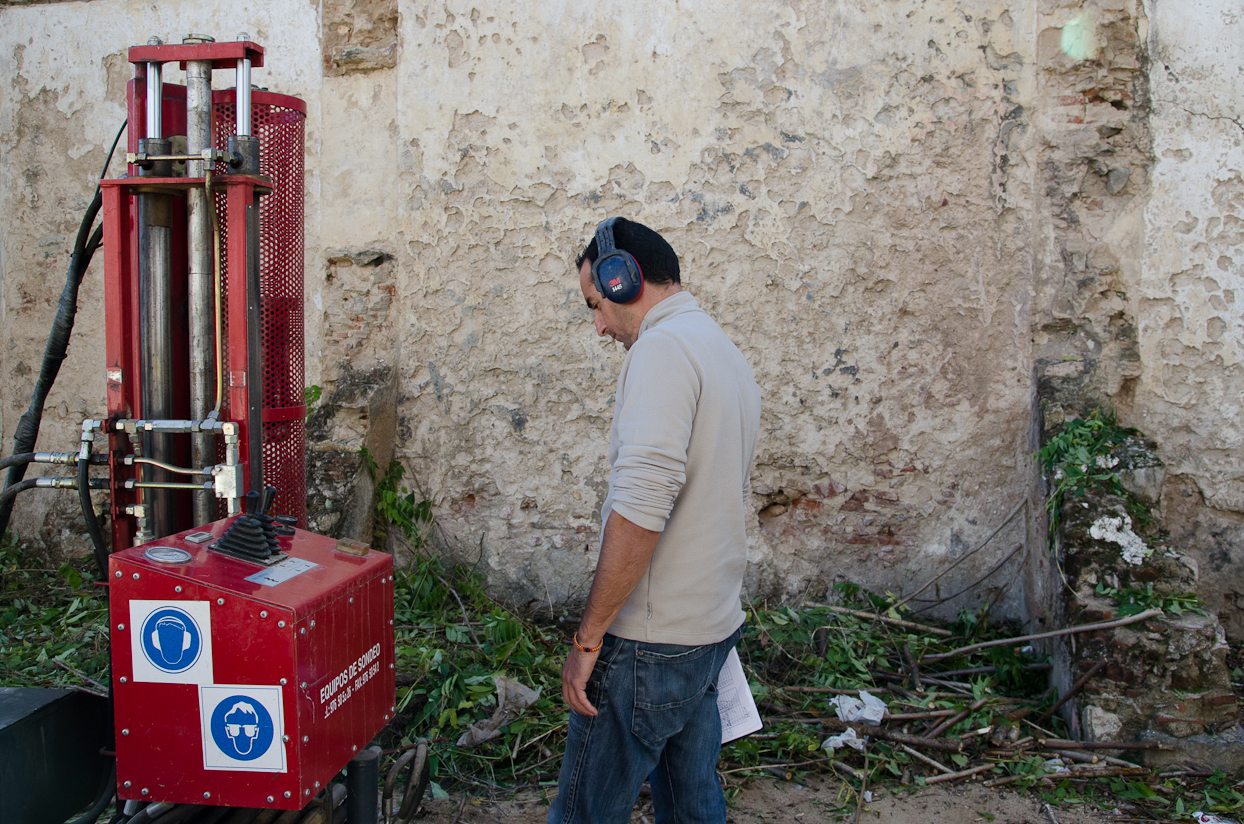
922, 757
937, 779
941, 744
1071, 693
897, 622
1120, 622
1102, 745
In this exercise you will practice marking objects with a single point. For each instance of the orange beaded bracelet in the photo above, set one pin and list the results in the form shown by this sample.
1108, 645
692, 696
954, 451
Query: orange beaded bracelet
582, 648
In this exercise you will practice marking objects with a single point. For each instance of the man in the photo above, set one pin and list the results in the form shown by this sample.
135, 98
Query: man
664, 610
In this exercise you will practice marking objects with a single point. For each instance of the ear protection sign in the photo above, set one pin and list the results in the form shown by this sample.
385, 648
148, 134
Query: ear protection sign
615, 273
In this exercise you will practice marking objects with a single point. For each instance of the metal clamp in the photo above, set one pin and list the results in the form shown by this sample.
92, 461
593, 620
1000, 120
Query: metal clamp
209, 155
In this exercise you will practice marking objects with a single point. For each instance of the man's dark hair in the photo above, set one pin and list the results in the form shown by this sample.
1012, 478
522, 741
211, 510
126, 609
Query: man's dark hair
654, 255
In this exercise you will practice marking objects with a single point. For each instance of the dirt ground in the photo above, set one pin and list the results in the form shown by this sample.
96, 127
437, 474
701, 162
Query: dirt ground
784, 802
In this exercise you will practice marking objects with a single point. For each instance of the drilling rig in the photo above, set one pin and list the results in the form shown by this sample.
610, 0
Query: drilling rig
251, 660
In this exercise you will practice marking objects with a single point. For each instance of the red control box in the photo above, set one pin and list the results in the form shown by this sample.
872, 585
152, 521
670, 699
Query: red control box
241, 684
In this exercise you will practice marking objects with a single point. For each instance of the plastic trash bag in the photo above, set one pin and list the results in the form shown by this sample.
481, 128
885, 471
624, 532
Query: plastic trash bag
846, 739
867, 709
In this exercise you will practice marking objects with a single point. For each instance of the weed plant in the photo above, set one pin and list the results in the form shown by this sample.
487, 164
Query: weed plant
1079, 457
49, 615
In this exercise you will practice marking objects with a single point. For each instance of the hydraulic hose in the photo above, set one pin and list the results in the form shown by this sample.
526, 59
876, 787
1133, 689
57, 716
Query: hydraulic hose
10, 492
27, 431
88, 512
17, 460
151, 812
105, 796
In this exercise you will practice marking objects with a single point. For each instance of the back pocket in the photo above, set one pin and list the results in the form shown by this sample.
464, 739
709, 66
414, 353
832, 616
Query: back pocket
667, 684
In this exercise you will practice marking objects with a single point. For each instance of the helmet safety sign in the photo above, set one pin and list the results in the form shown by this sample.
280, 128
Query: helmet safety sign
171, 641
243, 728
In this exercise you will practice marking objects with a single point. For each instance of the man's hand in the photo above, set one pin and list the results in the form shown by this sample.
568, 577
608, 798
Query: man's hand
625, 551
575, 672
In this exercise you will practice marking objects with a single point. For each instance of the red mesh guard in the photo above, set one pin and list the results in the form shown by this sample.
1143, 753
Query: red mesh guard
279, 123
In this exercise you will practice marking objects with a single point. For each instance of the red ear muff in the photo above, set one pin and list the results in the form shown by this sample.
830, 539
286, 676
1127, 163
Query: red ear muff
615, 273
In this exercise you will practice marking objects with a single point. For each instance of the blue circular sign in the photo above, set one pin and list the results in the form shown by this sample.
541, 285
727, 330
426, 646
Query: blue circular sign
171, 640
242, 727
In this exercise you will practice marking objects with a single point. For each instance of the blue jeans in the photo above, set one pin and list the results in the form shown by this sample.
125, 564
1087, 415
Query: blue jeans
658, 719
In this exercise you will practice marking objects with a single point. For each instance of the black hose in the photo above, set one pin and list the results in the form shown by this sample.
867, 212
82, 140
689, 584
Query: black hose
15, 460
182, 812
105, 797
10, 492
88, 513
152, 812
27, 431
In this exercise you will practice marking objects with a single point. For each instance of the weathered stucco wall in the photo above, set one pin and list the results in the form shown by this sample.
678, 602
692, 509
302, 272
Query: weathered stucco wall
1191, 295
829, 173
908, 215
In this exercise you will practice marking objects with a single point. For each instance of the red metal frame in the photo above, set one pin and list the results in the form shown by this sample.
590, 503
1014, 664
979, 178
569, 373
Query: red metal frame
223, 55
278, 121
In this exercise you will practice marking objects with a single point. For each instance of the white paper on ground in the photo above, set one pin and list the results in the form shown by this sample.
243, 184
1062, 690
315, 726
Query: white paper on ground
739, 715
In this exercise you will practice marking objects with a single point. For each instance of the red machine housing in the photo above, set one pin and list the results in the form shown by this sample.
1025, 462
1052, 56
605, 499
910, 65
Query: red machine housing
203, 643
279, 123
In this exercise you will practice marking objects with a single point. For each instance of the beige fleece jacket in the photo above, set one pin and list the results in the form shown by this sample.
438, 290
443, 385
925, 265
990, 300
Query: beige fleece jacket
685, 423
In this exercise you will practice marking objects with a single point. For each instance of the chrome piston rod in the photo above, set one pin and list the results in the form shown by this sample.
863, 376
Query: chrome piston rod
154, 274
200, 270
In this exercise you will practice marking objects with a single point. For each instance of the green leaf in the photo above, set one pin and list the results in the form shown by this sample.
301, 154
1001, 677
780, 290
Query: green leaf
437, 790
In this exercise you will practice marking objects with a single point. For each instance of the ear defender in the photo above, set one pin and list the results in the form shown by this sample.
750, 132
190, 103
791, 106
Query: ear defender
615, 273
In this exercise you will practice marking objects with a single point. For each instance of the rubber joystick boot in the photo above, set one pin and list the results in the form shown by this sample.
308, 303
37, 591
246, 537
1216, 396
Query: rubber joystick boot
247, 539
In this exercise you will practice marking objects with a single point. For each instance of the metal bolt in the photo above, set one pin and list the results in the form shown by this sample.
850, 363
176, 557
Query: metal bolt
245, 36
125, 732
118, 573
121, 627
317, 785
390, 666
306, 792
220, 602
127, 784
144, 790
283, 682
176, 589
135, 576
154, 41
122, 679
285, 739
356, 747
312, 623
302, 631
305, 739
390, 622
351, 597
263, 613
287, 793
207, 795
271, 799
386, 716
304, 685
280, 623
